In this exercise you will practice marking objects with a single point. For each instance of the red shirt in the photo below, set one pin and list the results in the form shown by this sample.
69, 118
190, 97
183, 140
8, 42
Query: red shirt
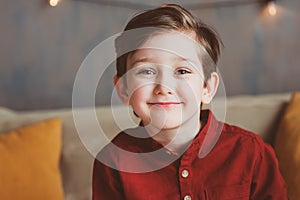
240, 166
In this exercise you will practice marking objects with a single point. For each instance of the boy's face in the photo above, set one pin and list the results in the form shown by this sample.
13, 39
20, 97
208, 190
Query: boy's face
164, 81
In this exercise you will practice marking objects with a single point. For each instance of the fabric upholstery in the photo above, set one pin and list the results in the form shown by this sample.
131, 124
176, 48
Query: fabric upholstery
29, 162
287, 147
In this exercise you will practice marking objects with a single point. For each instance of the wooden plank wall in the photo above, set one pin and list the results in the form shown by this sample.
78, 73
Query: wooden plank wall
42, 48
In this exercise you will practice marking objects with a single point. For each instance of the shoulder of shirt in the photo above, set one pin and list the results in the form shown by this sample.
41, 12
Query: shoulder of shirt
122, 141
124, 135
245, 135
252, 140
126, 140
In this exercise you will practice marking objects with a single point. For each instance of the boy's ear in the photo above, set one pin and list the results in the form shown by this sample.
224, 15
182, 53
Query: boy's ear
121, 89
210, 88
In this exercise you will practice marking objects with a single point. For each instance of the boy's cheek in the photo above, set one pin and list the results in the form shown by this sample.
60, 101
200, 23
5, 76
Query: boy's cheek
192, 89
136, 97
136, 83
139, 91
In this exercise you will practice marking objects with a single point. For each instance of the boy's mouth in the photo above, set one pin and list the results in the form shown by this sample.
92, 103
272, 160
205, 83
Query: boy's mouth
165, 104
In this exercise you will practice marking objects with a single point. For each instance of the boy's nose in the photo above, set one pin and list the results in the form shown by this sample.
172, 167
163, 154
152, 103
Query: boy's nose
162, 89
164, 84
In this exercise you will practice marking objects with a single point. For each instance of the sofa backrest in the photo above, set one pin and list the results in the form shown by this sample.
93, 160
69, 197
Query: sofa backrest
259, 114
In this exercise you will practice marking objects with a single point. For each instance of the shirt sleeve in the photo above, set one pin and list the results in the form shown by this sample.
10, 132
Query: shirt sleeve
267, 182
106, 183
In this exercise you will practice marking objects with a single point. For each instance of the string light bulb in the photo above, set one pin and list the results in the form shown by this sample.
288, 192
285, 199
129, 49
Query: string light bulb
271, 7
53, 3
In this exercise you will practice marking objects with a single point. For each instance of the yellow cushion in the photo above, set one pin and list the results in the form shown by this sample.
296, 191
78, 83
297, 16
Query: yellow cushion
29, 162
287, 147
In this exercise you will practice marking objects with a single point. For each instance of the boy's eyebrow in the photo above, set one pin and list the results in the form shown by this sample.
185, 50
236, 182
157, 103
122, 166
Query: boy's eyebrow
147, 59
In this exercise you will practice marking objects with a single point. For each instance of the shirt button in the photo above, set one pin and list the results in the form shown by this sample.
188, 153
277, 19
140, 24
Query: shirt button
187, 197
185, 173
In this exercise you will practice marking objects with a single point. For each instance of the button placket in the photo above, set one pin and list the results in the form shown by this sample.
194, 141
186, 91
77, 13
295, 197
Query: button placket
187, 197
185, 173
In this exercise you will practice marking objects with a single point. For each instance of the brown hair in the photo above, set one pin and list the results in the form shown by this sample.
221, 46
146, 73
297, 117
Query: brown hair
169, 17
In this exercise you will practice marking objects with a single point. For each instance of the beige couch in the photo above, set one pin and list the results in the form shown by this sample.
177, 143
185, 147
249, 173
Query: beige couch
257, 113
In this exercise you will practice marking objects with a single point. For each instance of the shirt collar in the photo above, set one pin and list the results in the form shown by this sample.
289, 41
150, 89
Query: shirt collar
202, 143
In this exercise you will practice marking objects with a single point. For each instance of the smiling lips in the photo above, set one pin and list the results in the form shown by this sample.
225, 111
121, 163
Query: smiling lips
165, 104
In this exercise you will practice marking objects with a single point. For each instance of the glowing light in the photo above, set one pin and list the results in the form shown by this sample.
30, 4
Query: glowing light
53, 3
272, 8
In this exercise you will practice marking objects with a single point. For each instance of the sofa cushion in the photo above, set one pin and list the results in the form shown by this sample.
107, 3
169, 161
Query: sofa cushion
257, 113
75, 163
287, 147
29, 160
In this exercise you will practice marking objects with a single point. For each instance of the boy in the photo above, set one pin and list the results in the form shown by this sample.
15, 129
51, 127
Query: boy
166, 73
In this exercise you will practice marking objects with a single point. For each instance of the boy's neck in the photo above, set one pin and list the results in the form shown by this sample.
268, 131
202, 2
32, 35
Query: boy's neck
177, 139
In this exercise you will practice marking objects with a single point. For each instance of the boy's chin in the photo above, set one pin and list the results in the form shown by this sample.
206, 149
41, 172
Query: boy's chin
164, 125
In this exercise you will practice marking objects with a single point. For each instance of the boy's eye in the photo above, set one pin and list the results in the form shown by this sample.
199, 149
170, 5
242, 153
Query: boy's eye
182, 71
147, 72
